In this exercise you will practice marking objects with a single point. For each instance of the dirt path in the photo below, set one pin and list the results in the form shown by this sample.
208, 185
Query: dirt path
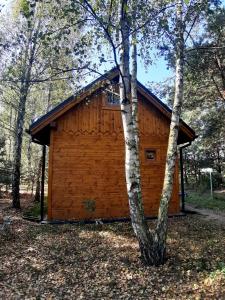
210, 214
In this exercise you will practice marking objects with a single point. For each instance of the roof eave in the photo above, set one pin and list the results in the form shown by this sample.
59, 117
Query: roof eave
73, 100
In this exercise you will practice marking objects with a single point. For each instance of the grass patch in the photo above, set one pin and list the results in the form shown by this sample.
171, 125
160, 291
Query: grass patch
219, 271
34, 211
205, 201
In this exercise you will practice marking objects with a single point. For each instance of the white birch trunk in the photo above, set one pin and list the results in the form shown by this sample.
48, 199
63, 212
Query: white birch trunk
129, 111
161, 230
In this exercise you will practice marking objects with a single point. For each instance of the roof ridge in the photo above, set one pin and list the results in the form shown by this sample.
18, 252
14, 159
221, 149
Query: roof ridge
162, 106
72, 97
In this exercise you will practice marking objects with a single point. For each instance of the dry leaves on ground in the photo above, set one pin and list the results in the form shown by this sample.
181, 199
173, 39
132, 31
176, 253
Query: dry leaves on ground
102, 262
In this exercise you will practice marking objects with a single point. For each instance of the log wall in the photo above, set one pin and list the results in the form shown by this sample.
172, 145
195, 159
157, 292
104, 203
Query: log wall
86, 162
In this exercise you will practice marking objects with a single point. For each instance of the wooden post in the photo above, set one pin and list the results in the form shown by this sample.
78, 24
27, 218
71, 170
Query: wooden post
182, 181
43, 182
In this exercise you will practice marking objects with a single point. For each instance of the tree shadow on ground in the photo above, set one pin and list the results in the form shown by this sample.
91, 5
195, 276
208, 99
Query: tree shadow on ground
102, 262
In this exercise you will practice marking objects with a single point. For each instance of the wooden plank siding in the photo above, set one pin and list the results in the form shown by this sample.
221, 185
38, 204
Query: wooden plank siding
86, 162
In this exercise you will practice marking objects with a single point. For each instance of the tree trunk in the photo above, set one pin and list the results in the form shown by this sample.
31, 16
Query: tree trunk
10, 137
32, 185
37, 196
130, 128
18, 147
185, 168
161, 230
219, 167
195, 166
25, 84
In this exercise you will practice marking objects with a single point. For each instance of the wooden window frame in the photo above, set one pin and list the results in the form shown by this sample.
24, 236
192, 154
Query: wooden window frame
106, 105
151, 160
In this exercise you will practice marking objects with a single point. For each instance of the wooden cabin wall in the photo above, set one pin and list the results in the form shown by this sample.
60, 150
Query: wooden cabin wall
86, 162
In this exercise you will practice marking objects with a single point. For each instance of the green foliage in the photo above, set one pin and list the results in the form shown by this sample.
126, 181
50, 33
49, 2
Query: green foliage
205, 200
89, 205
204, 100
34, 212
220, 270
25, 8
204, 182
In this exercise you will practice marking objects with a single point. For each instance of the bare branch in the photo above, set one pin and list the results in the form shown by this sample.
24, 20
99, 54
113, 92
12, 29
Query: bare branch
217, 87
192, 25
207, 48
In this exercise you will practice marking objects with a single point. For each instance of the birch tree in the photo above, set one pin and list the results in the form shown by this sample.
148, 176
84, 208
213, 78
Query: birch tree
151, 243
161, 229
185, 22
129, 113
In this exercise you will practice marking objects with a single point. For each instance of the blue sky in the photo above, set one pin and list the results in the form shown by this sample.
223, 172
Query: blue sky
157, 72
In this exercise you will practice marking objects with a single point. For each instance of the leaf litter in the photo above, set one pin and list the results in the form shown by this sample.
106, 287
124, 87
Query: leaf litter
102, 262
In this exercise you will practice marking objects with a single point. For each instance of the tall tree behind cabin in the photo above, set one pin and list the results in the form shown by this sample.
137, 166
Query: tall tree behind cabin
27, 57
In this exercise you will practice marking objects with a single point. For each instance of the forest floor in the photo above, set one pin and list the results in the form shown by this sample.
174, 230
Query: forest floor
102, 261
210, 214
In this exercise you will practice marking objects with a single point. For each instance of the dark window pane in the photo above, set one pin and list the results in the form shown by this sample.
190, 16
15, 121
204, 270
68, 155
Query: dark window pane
150, 154
113, 99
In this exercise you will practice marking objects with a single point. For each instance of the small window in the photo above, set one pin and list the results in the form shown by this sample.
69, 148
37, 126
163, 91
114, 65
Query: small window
113, 99
150, 154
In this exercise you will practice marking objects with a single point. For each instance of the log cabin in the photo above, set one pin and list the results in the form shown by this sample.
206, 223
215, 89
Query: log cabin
86, 176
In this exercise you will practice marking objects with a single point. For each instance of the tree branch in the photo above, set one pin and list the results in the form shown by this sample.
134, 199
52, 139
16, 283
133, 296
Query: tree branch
207, 48
217, 87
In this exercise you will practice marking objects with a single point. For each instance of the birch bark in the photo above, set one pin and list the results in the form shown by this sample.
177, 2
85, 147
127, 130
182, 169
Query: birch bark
129, 111
161, 230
